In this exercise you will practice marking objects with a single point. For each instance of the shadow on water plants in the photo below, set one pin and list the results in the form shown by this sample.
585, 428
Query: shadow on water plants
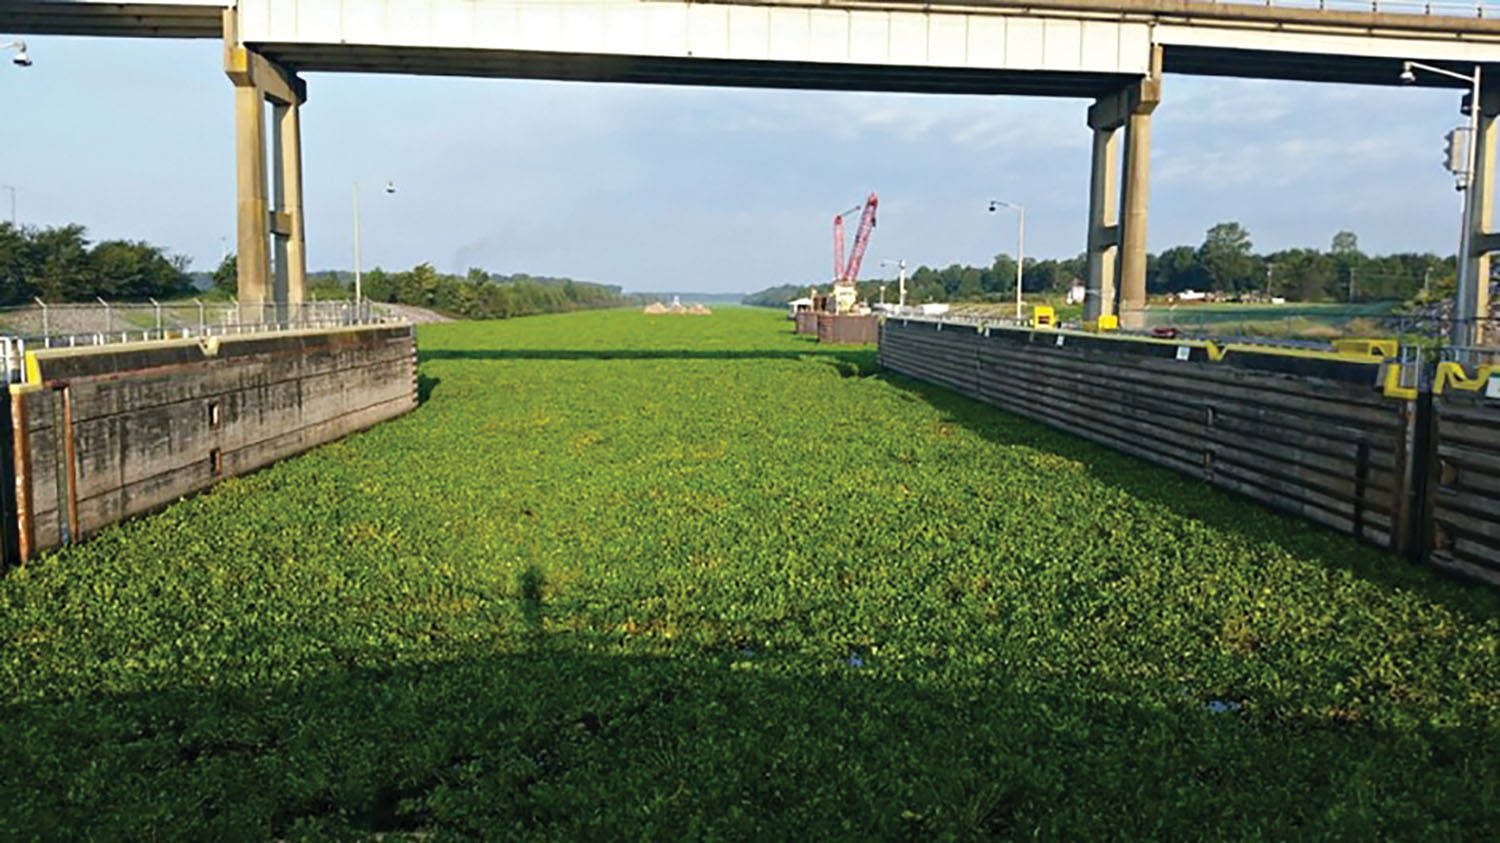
557, 745
425, 385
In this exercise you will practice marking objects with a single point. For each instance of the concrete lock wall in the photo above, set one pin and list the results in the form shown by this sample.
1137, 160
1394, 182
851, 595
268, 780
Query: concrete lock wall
1313, 435
105, 433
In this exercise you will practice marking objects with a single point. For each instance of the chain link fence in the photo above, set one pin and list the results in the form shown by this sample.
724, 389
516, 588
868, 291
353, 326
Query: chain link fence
46, 325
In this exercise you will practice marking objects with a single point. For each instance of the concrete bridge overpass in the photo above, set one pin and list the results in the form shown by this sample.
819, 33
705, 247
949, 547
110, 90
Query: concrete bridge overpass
1113, 52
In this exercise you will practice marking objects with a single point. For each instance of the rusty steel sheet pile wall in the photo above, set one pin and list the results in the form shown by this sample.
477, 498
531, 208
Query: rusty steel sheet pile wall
806, 322
102, 434
1463, 480
847, 329
1311, 434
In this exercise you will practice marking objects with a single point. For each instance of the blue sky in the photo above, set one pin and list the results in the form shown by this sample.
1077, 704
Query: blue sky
700, 188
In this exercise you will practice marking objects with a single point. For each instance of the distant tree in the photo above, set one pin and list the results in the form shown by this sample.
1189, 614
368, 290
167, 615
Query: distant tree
1345, 243
1225, 255
1179, 269
378, 285
226, 277
968, 285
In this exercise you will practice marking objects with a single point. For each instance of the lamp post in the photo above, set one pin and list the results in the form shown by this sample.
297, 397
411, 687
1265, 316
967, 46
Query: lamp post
1466, 330
900, 265
1020, 244
22, 58
390, 187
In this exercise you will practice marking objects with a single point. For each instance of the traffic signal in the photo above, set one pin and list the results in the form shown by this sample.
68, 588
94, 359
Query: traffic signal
1456, 151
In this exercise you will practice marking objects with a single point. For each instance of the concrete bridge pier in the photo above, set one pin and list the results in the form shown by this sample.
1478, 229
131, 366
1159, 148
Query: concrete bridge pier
1117, 232
1474, 301
272, 275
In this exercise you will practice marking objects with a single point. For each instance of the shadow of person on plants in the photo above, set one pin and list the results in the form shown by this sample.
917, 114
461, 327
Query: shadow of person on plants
1190, 498
570, 742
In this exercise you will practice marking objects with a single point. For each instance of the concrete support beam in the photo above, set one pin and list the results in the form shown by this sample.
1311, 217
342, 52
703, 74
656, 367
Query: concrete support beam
254, 209
1104, 230
272, 275
1117, 247
1473, 305
1135, 197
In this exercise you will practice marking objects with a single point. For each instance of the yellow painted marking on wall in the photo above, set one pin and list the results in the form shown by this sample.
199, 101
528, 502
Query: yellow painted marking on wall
1453, 374
1391, 386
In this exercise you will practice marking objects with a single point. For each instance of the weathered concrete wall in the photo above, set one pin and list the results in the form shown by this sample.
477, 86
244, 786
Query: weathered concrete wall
103, 434
1306, 433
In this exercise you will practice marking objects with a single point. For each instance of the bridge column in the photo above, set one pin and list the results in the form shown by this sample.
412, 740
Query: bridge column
267, 290
1104, 231
1121, 243
1473, 305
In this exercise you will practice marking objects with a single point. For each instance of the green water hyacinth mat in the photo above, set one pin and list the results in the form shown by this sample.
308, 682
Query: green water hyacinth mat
629, 577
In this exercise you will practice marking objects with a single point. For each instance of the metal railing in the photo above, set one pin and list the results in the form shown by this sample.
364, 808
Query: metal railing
74, 324
1389, 7
1426, 336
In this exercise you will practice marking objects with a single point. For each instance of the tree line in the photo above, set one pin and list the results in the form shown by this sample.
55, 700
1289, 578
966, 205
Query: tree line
60, 264
1224, 263
484, 295
475, 295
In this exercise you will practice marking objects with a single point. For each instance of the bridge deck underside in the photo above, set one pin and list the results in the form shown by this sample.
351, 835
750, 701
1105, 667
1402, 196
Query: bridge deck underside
202, 19
127, 20
688, 71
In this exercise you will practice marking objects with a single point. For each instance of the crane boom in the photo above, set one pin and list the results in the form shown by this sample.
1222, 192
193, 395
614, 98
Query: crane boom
838, 243
838, 248
861, 239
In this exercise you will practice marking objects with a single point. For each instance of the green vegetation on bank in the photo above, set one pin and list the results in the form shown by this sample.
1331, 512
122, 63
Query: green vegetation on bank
630, 577
1225, 264
60, 264
476, 295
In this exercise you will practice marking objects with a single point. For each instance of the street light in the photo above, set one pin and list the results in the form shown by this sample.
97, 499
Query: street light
390, 187
1020, 243
1466, 331
22, 58
901, 274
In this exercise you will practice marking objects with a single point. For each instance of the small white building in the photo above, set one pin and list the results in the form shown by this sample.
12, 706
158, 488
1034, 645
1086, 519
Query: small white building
1076, 293
795, 305
1192, 295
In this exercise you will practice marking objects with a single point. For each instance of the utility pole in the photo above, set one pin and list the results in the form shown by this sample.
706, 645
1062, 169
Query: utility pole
12, 204
1020, 245
1269, 267
901, 275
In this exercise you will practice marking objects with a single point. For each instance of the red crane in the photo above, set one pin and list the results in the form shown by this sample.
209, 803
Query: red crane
861, 239
848, 273
838, 243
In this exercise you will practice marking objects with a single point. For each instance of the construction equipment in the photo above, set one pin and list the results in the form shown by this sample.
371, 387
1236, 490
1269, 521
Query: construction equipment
846, 274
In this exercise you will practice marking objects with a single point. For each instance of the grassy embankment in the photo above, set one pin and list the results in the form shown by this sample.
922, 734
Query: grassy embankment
625, 577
